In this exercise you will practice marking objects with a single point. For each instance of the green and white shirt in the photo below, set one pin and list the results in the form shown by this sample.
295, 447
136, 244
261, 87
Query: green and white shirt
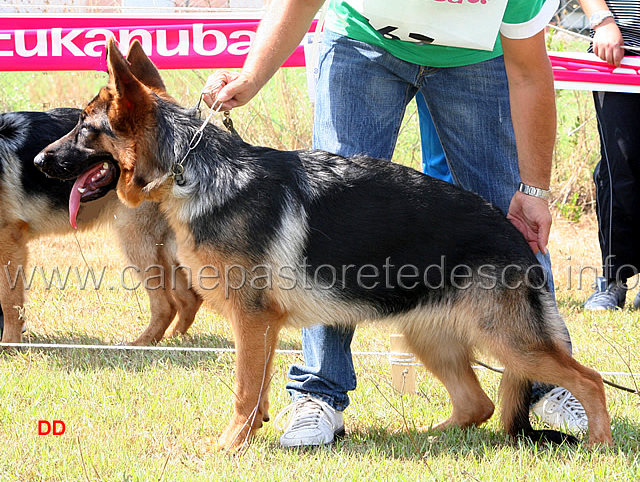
439, 33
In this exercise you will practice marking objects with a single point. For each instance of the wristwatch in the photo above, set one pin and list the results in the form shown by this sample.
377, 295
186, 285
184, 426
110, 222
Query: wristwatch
534, 191
598, 17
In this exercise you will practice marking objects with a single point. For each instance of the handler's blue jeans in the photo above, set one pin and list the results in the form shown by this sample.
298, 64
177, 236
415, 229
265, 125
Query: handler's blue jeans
362, 94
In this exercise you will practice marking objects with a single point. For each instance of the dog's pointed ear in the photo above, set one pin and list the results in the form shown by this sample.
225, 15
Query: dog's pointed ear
142, 67
127, 86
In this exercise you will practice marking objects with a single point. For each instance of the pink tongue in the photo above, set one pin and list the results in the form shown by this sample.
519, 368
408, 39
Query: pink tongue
75, 196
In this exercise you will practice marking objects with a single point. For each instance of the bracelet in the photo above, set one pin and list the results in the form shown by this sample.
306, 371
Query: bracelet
534, 191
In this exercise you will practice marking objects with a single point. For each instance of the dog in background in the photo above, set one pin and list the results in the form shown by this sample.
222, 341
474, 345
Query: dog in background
33, 205
306, 236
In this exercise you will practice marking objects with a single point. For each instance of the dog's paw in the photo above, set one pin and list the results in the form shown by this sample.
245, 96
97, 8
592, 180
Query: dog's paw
233, 438
600, 442
214, 445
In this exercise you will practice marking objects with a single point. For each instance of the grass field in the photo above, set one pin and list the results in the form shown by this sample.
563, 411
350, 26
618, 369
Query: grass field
147, 416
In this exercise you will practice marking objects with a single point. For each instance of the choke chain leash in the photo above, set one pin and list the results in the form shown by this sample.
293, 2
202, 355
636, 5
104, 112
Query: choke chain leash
177, 170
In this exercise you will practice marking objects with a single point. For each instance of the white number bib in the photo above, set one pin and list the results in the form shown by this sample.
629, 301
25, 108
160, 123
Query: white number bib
472, 24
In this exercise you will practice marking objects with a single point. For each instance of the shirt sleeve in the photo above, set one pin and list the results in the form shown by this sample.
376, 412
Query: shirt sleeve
526, 18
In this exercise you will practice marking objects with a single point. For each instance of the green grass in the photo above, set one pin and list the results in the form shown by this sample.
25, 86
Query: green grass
144, 416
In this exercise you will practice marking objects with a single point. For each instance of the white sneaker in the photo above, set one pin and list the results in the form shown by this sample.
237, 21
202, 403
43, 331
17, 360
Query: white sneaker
559, 409
311, 422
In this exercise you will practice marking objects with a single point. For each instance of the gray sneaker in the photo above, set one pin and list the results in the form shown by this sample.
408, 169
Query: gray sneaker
560, 410
607, 296
311, 422
636, 301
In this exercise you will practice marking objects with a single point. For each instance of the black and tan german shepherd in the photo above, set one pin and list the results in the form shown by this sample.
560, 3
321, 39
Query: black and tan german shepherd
308, 237
33, 205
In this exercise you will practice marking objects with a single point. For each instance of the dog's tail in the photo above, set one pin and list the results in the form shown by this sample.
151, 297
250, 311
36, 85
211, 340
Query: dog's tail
516, 397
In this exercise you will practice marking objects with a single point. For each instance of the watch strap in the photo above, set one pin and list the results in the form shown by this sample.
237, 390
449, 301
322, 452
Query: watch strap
534, 191
598, 17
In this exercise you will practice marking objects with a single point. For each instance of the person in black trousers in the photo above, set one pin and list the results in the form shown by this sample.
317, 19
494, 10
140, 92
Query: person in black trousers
615, 25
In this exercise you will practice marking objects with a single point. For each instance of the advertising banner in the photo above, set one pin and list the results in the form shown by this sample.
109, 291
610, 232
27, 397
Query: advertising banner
78, 43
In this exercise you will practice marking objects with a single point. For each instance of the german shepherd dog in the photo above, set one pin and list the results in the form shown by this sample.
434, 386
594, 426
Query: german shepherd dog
308, 237
33, 205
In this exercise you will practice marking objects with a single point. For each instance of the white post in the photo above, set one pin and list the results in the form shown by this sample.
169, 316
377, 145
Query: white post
403, 371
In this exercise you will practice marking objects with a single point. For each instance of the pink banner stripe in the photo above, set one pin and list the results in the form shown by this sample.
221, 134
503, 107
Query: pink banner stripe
55, 44
569, 69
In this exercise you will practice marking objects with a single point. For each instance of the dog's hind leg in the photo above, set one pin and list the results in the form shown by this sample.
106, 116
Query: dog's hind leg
523, 329
142, 243
187, 302
516, 398
552, 365
256, 337
162, 305
13, 259
449, 360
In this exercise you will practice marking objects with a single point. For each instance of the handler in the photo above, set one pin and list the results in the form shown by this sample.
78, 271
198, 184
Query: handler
616, 24
483, 70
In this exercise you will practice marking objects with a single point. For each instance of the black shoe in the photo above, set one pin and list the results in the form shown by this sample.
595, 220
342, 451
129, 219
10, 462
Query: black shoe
608, 296
636, 301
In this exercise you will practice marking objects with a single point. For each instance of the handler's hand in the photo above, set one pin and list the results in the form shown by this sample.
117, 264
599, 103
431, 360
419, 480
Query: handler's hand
232, 89
532, 218
608, 42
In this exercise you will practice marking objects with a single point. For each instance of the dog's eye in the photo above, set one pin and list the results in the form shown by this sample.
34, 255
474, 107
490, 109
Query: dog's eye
87, 130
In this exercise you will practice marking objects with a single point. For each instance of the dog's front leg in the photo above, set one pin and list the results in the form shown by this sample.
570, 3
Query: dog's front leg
13, 258
256, 339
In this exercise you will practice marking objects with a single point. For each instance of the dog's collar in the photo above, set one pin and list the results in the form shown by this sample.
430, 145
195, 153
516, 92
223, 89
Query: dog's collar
177, 170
